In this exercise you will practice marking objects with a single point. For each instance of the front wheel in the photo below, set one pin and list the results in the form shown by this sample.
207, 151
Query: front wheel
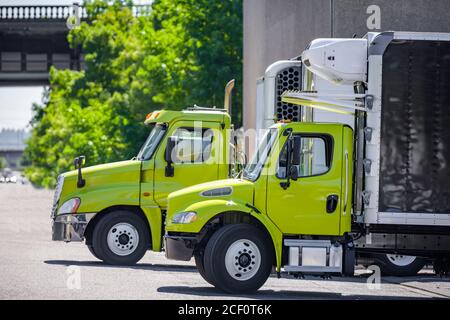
121, 238
399, 265
91, 250
200, 264
238, 258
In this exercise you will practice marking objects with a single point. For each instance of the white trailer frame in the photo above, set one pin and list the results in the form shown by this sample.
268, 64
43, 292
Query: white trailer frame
377, 43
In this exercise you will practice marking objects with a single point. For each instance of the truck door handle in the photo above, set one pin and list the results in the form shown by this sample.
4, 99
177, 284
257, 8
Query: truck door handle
332, 201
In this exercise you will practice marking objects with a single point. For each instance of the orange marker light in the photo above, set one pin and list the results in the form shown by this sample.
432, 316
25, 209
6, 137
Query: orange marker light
155, 114
285, 121
152, 115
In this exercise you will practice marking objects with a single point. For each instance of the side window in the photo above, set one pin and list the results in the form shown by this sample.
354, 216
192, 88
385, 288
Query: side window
193, 145
315, 157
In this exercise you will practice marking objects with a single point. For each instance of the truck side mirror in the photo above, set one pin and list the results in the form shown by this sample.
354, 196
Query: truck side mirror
171, 143
296, 151
294, 157
293, 172
293, 160
78, 162
289, 149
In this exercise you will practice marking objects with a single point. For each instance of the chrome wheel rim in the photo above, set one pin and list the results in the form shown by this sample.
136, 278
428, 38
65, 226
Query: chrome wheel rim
123, 239
242, 259
400, 260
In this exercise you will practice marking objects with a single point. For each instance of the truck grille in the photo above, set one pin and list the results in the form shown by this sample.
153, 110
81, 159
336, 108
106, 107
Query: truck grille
287, 79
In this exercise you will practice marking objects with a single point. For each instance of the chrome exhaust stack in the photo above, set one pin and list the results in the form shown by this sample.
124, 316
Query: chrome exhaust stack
227, 99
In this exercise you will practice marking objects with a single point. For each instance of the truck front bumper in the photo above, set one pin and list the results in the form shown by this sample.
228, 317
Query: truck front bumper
179, 247
70, 227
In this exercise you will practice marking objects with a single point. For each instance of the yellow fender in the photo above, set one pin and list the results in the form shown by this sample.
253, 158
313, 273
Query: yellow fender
154, 218
209, 209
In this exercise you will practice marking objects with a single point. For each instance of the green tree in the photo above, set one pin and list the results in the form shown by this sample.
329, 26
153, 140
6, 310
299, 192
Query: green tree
2, 163
197, 49
180, 55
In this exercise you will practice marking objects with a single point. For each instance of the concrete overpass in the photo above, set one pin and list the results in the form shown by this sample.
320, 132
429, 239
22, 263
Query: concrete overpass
34, 38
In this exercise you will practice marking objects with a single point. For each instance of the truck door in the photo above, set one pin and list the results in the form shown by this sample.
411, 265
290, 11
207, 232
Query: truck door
196, 158
311, 205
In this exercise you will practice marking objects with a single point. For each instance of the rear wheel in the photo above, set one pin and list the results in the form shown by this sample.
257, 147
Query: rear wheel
441, 266
121, 237
238, 258
399, 265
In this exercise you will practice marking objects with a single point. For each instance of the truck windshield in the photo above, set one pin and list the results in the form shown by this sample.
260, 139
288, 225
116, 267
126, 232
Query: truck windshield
152, 142
254, 167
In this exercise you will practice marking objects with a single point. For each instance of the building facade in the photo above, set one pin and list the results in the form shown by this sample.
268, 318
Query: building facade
281, 29
12, 146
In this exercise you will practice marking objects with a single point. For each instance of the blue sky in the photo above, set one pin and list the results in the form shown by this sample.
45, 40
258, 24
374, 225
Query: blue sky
15, 105
52, 2
35, 2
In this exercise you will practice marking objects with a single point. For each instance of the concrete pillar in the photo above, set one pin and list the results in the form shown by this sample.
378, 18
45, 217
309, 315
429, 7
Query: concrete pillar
275, 30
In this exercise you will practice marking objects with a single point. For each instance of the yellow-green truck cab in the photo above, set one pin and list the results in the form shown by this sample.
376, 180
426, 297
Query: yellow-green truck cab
119, 208
238, 229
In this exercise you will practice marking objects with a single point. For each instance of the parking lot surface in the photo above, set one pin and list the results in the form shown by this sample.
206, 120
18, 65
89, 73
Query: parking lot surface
34, 267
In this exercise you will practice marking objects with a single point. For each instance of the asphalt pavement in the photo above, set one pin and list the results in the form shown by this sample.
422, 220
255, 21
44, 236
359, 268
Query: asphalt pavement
32, 266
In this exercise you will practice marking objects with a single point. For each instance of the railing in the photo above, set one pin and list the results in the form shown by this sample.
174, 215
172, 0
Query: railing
38, 12
55, 12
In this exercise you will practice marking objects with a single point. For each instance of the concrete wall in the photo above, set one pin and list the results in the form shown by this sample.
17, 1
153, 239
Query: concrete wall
281, 29
351, 16
273, 30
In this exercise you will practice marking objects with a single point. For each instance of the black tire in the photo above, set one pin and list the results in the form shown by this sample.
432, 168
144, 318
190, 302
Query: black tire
441, 266
388, 268
100, 238
91, 250
199, 262
216, 250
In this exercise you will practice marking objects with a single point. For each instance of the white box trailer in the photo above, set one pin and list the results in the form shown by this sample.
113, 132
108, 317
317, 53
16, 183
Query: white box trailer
393, 88
405, 152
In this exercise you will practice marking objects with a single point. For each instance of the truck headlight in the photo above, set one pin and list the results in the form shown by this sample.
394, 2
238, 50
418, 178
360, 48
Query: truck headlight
70, 206
184, 217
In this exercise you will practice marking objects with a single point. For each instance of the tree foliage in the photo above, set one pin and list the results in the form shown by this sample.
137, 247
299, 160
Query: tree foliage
182, 54
3, 163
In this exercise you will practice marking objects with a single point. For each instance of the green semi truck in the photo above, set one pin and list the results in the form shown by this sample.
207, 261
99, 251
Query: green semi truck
316, 196
119, 208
